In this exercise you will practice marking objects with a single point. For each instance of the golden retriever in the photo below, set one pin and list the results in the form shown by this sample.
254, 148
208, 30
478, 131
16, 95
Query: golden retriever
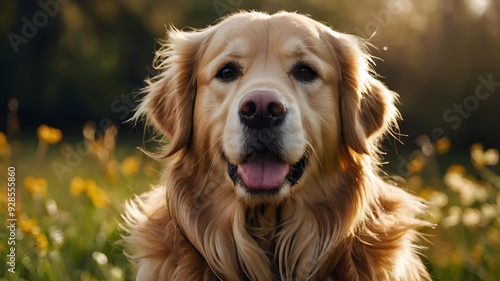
272, 163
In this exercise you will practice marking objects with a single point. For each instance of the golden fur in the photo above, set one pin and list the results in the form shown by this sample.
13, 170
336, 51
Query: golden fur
341, 221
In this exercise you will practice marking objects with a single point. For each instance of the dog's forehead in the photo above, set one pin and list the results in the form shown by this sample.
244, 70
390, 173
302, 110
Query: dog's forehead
287, 33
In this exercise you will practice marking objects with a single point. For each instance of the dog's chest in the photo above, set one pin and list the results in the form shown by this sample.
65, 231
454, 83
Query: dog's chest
263, 224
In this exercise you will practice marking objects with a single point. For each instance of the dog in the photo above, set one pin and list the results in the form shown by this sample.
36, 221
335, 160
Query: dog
272, 166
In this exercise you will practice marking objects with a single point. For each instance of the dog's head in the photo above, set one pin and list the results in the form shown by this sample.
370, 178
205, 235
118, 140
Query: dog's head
268, 101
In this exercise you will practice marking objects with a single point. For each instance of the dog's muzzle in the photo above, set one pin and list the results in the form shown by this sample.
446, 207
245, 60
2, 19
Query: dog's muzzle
262, 114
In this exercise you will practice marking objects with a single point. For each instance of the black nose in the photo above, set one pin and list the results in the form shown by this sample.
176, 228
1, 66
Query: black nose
262, 109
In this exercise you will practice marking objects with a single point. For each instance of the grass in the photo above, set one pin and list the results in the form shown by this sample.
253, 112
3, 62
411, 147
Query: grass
69, 197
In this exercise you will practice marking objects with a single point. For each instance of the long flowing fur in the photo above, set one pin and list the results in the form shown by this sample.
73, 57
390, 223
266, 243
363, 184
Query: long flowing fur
344, 223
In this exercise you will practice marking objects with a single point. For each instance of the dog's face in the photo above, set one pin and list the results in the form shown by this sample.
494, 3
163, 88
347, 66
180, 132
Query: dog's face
265, 83
269, 101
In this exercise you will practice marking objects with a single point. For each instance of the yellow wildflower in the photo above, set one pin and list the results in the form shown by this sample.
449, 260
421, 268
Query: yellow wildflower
4, 146
467, 188
453, 218
457, 169
130, 165
4, 199
42, 243
481, 158
434, 198
109, 138
96, 195
471, 217
491, 157
48, 134
90, 184
3, 138
488, 213
36, 186
417, 164
477, 154
443, 145
77, 186
112, 171
29, 226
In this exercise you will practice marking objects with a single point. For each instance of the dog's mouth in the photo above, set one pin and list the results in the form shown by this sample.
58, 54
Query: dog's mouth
264, 171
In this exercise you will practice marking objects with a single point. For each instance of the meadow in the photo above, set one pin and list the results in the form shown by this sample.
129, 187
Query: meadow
69, 195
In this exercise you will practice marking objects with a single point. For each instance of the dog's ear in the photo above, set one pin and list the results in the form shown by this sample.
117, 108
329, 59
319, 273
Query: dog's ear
169, 97
367, 107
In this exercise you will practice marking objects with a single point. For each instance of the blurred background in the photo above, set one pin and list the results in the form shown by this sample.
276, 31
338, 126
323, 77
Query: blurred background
67, 62
70, 70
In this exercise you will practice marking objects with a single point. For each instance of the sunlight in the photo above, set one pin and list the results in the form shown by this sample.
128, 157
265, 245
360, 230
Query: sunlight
402, 6
478, 7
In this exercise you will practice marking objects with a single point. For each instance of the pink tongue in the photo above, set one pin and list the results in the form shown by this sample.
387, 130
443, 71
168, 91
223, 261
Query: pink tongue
264, 171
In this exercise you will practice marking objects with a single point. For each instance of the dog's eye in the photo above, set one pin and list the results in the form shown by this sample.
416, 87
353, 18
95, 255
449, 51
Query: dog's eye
228, 72
304, 73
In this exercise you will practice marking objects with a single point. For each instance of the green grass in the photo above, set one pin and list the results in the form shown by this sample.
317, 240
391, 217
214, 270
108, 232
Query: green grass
83, 238
68, 233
